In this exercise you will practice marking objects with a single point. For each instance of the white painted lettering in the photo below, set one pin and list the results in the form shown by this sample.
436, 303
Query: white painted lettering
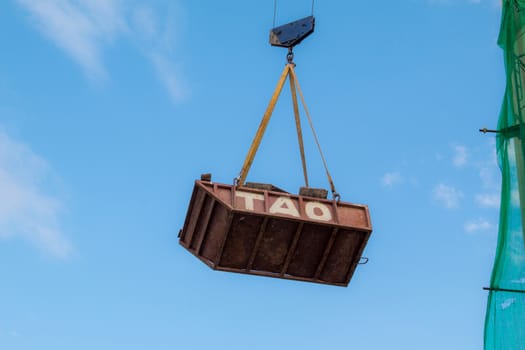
284, 205
318, 211
249, 198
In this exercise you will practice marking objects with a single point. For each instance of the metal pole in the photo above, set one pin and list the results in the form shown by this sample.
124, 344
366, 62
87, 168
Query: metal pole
503, 290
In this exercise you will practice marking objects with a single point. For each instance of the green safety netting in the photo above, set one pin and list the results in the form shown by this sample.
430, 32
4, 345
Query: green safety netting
505, 319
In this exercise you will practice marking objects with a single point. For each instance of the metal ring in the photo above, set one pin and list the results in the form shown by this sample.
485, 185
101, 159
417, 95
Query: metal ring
289, 57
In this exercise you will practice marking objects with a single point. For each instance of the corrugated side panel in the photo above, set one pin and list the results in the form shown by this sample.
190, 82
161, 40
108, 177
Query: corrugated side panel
274, 245
240, 241
309, 251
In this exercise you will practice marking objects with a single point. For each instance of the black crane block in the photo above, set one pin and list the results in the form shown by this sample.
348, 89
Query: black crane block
293, 33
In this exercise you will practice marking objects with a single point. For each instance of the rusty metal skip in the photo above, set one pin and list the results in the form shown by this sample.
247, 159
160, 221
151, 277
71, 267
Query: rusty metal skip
259, 229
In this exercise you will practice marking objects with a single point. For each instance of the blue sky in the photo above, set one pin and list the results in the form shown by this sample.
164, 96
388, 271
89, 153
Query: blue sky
109, 110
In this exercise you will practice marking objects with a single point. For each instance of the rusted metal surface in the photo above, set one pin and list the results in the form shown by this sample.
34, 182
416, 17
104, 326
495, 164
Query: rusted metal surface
275, 234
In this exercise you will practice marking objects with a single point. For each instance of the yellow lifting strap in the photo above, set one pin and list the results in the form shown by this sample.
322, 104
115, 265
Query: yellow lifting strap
262, 128
288, 72
298, 122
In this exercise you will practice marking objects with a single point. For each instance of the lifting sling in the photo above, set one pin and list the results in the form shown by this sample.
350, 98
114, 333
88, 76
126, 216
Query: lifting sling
288, 72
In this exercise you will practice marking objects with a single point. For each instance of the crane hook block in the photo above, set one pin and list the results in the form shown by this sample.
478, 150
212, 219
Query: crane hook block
291, 34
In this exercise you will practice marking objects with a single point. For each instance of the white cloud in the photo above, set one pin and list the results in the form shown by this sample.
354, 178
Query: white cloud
391, 179
489, 172
447, 195
460, 155
478, 225
156, 41
488, 200
79, 27
488, 177
167, 72
25, 210
83, 29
